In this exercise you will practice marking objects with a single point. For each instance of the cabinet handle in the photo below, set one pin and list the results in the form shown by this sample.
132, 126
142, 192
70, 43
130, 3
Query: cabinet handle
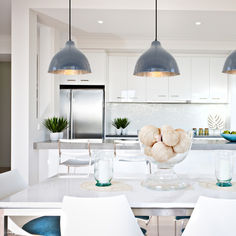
216, 98
203, 98
120, 97
84, 80
174, 96
162, 96
71, 80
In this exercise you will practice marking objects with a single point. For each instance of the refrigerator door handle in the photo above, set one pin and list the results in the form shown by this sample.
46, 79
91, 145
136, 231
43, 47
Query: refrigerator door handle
71, 114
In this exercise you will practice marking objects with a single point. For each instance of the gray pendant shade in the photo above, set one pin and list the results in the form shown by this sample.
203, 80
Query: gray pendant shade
230, 64
156, 62
69, 61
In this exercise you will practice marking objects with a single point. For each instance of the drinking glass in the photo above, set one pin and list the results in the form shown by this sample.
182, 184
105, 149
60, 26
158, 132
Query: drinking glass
103, 167
224, 168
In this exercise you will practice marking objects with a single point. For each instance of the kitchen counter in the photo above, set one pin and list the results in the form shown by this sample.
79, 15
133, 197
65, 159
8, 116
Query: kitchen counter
198, 144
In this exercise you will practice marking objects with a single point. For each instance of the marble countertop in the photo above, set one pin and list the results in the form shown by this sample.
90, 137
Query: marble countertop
137, 195
198, 144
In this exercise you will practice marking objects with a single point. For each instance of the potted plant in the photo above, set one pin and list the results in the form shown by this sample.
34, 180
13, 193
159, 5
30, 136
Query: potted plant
56, 125
120, 124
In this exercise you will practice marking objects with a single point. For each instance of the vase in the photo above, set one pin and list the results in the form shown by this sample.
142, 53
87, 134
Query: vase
165, 178
119, 131
55, 136
61, 134
103, 167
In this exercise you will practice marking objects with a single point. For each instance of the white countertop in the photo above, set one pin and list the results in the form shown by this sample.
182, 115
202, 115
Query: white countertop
50, 193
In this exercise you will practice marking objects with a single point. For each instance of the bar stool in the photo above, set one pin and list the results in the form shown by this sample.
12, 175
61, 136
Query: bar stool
73, 158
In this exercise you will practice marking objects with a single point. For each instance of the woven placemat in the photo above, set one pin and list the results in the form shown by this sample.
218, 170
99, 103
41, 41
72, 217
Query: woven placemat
212, 185
114, 187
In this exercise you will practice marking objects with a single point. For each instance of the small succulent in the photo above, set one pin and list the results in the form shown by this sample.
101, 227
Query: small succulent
120, 123
56, 124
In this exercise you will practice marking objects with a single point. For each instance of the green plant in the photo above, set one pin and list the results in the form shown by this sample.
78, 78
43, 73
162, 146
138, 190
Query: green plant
120, 123
56, 124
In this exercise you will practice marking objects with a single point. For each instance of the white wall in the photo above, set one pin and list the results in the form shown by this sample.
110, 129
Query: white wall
5, 44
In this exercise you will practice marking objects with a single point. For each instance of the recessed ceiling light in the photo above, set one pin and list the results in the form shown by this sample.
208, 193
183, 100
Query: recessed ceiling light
100, 22
198, 23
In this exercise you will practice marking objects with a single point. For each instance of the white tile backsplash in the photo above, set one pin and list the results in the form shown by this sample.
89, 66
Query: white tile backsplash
185, 116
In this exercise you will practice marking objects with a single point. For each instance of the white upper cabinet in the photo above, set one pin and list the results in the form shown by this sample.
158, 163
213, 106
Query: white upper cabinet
180, 86
136, 85
157, 89
218, 81
200, 79
98, 63
117, 78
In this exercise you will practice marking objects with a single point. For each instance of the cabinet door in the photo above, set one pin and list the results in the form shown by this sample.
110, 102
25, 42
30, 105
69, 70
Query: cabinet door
180, 86
117, 78
136, 84
218, 81
200, 79
97, 61
157, 89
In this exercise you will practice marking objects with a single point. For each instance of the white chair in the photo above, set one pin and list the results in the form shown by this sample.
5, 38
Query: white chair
73, 158
11, 182
98, 216
212, 217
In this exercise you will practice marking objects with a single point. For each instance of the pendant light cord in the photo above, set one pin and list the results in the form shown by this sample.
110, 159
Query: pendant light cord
69, 20
156, 18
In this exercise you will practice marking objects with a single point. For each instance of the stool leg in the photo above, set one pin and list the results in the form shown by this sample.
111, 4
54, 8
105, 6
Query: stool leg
158, 231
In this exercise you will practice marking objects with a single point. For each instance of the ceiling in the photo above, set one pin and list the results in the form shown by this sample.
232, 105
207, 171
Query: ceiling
139, 24
177, 24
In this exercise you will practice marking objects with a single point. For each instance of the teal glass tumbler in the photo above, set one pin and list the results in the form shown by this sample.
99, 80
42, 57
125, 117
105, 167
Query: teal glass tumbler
103, 167
224, 168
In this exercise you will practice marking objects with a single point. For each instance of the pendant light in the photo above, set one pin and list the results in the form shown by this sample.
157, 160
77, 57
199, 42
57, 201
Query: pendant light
230, 64
156, 61
69, 60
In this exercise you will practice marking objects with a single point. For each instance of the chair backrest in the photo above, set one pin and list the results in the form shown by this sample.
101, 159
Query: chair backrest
11, 182
98, 216
212, 217
73, 152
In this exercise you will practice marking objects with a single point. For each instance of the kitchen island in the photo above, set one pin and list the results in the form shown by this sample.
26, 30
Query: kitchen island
200, 160
198, 144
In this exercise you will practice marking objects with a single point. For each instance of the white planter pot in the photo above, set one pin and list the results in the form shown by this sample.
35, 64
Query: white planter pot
124, 131
54, 136
61, 134
119, 131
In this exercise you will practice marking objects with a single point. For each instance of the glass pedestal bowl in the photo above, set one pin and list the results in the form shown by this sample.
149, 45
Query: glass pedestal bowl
165, 178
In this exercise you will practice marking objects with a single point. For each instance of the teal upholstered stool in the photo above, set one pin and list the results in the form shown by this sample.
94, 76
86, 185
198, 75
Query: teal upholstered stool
46, 226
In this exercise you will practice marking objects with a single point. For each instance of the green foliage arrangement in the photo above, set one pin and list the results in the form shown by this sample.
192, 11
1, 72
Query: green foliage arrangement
120, 123
56, 124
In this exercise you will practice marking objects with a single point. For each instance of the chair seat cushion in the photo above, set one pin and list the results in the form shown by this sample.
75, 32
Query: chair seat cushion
46, 226
75, 162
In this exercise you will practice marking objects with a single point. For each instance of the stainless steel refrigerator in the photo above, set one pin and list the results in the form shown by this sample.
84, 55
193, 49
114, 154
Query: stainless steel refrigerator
84, 107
